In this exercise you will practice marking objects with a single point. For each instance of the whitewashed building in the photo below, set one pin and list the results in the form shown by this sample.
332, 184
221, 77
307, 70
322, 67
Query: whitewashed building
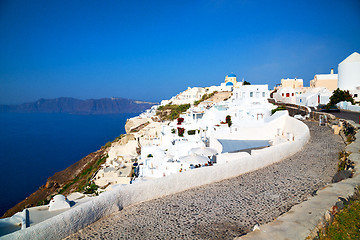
313, 97
349, 75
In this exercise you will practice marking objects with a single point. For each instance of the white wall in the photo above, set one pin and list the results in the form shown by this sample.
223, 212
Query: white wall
109, 202
349, 75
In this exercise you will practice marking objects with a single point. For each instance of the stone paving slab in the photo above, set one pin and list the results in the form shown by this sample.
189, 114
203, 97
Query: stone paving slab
302, 220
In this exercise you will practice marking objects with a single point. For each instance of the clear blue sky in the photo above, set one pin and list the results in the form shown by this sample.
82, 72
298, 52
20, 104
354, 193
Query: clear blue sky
151, 50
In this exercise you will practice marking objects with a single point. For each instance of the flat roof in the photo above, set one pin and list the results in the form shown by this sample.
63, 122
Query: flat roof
230, 145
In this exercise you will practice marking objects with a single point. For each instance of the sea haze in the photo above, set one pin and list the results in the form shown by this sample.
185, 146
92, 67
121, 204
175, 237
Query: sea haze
33, 146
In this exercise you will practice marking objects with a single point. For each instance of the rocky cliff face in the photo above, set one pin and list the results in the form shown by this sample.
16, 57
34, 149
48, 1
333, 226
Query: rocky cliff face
77, 106
82, 169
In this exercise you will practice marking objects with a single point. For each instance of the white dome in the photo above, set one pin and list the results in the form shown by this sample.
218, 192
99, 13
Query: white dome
59, 202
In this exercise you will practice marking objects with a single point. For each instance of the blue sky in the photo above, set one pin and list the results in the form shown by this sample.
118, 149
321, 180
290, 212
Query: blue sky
151, 50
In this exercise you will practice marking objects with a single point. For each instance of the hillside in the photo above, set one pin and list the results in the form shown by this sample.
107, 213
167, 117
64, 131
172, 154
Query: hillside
77, 106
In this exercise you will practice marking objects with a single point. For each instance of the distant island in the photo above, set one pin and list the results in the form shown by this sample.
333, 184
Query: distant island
78, 106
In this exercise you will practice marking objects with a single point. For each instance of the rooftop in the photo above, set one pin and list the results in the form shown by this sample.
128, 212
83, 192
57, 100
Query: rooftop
355, 57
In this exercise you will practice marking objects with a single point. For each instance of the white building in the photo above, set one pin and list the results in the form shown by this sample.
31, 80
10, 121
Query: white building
231, 82
188, 96
313, 97
287, 94
349, 75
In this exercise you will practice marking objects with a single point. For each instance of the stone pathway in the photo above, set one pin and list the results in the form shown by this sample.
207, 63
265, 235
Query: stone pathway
229, 208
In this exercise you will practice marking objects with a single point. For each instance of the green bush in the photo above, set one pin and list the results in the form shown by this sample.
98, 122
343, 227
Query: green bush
171, 112
108, 144
228, 120
339, 96
205, 97
181, 131
191, 132
281, 108
91, 189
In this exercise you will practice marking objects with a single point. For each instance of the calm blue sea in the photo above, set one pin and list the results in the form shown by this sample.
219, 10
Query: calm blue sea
33, 146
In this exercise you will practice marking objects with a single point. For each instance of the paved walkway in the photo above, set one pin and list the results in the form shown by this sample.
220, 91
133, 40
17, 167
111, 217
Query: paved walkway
354, 116
229, 208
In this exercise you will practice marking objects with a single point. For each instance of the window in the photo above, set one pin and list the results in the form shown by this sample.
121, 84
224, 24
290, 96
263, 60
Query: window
355, 95
282, 94
287, 94
292, 94
251, 94
263, 94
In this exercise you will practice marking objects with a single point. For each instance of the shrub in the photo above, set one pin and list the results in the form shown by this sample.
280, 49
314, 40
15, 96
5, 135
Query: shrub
171, 112
205, 97
181, 131
107, 145
339, 96
278, 109
173, 131
180, 121
91, 189
191, 132
228, 120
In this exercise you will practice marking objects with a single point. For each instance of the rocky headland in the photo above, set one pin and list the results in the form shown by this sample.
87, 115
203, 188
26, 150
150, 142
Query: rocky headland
78, 106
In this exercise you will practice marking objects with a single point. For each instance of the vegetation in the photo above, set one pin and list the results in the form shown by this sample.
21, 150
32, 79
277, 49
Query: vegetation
91, 189
342, 160
83, 178
170, 111
181, 131
173, 130
346, 224
180, 121
228, 120
204, 97
339, 96
119, 138
280, 108
191, 132
108, 144
228, 97
44, 202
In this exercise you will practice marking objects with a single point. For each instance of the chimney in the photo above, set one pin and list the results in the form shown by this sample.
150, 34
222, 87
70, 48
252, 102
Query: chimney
332, 71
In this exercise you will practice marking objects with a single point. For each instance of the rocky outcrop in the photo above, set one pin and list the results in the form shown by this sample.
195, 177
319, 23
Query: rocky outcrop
135, 124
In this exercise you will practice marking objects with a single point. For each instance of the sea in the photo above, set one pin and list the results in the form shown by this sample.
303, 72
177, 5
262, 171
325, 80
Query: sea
33, 146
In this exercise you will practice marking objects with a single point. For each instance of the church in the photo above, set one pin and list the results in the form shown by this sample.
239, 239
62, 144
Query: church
230, 81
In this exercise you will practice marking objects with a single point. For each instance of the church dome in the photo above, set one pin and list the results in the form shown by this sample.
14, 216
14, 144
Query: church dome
231, 75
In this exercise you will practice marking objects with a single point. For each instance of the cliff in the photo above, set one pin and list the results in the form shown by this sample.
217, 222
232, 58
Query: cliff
69, 180
77, 106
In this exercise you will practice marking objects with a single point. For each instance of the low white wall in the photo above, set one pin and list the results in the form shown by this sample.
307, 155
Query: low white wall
266, 131
77, 218
348, 106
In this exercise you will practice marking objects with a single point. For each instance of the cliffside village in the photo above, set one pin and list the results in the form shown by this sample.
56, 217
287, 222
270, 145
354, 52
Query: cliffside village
218, 121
